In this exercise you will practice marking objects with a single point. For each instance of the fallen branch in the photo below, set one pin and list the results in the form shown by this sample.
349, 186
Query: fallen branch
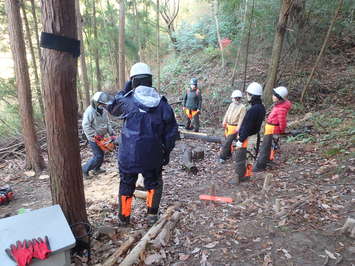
287, 211
164, 236
112, 260
133, 256
200, 136
266, 185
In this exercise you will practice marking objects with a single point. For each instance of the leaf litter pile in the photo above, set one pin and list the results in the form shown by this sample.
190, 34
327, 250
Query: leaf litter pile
292, 214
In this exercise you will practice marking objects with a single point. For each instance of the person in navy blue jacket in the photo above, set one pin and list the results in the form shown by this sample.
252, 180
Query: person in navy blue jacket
250, 126
148, 136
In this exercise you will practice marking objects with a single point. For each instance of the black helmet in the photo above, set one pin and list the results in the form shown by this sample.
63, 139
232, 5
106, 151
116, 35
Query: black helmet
193, 81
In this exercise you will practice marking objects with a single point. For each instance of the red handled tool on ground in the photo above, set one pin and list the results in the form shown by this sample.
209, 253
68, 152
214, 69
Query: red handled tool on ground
6, 195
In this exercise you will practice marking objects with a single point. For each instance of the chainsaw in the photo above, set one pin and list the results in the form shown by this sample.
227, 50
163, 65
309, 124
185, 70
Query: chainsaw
6, 194
107, 144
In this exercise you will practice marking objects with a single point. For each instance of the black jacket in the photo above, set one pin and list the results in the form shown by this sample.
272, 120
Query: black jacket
252, 120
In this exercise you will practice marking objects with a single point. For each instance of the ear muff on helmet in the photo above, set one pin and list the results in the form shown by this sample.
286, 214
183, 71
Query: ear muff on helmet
144, 80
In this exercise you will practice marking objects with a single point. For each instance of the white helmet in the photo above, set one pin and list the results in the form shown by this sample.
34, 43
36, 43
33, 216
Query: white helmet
236, 94
102, 97
281, 91
140, 69
255, 88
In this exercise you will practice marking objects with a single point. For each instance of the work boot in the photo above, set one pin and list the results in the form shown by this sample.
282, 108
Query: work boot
123, 221
221, 161
99, 171
234, 181
86, 174
152, 219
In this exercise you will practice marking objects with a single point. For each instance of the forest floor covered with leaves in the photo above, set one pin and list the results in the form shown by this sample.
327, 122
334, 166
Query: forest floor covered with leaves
294, 222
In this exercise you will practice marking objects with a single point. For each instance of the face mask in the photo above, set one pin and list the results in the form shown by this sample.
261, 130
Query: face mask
100, 107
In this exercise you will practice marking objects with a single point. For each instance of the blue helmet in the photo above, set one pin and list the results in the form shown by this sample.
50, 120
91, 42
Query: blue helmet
193, 81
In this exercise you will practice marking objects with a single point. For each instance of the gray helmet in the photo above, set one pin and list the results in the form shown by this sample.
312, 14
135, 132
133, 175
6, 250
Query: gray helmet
102, 97
193, 81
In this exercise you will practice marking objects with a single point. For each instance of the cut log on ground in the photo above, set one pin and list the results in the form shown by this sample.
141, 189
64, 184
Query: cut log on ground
134, 255
187, 162
140, 194
198, 154
164, 236
202, 136
112, 260
349, 226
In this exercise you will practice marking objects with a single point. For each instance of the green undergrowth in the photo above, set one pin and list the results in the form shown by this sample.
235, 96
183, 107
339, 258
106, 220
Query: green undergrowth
333, 130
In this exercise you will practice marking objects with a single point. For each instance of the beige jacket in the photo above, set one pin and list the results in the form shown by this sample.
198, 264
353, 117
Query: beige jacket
235, 114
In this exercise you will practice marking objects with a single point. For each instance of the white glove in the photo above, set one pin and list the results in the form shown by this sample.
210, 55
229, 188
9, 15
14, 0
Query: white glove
239, 144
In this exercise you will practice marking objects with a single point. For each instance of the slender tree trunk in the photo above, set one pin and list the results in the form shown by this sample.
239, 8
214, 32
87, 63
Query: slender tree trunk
138, 33
121, 45
215, 9
34, 159
277, 49
96, 49
34, 63
84, 71
247, 51
322, 50
60, 99
158, 45
34, 15
236, 62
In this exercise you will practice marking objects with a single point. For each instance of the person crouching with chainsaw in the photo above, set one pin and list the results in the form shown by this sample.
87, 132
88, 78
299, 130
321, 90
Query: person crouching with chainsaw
275, 125
251, 125
147, 138
231, 124
96, 125
192, 106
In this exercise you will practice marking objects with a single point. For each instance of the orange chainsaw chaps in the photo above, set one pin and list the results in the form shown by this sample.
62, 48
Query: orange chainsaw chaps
126, 205
249, 170
150, 195
190, 113
272, 154
230, 130
106, 144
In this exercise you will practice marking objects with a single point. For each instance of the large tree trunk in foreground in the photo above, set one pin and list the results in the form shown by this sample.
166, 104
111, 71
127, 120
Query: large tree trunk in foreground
121, 46
34, 62
277, 49
59, 88
84, 71
34, 159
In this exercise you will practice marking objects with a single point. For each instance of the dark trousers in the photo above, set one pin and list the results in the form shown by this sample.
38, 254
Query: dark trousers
96, 161
226, 147
195, 122
264, 154
153, 182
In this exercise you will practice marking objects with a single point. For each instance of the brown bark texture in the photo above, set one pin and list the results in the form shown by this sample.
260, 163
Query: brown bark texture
277, 49
34, 159
96, 49
121, 45
34, 62
59, 88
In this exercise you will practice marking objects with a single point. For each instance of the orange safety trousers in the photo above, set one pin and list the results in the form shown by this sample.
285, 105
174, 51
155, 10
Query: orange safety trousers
190, 113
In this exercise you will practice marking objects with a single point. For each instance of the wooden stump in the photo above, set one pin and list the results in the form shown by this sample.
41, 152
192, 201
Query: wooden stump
187, 162
198, 154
